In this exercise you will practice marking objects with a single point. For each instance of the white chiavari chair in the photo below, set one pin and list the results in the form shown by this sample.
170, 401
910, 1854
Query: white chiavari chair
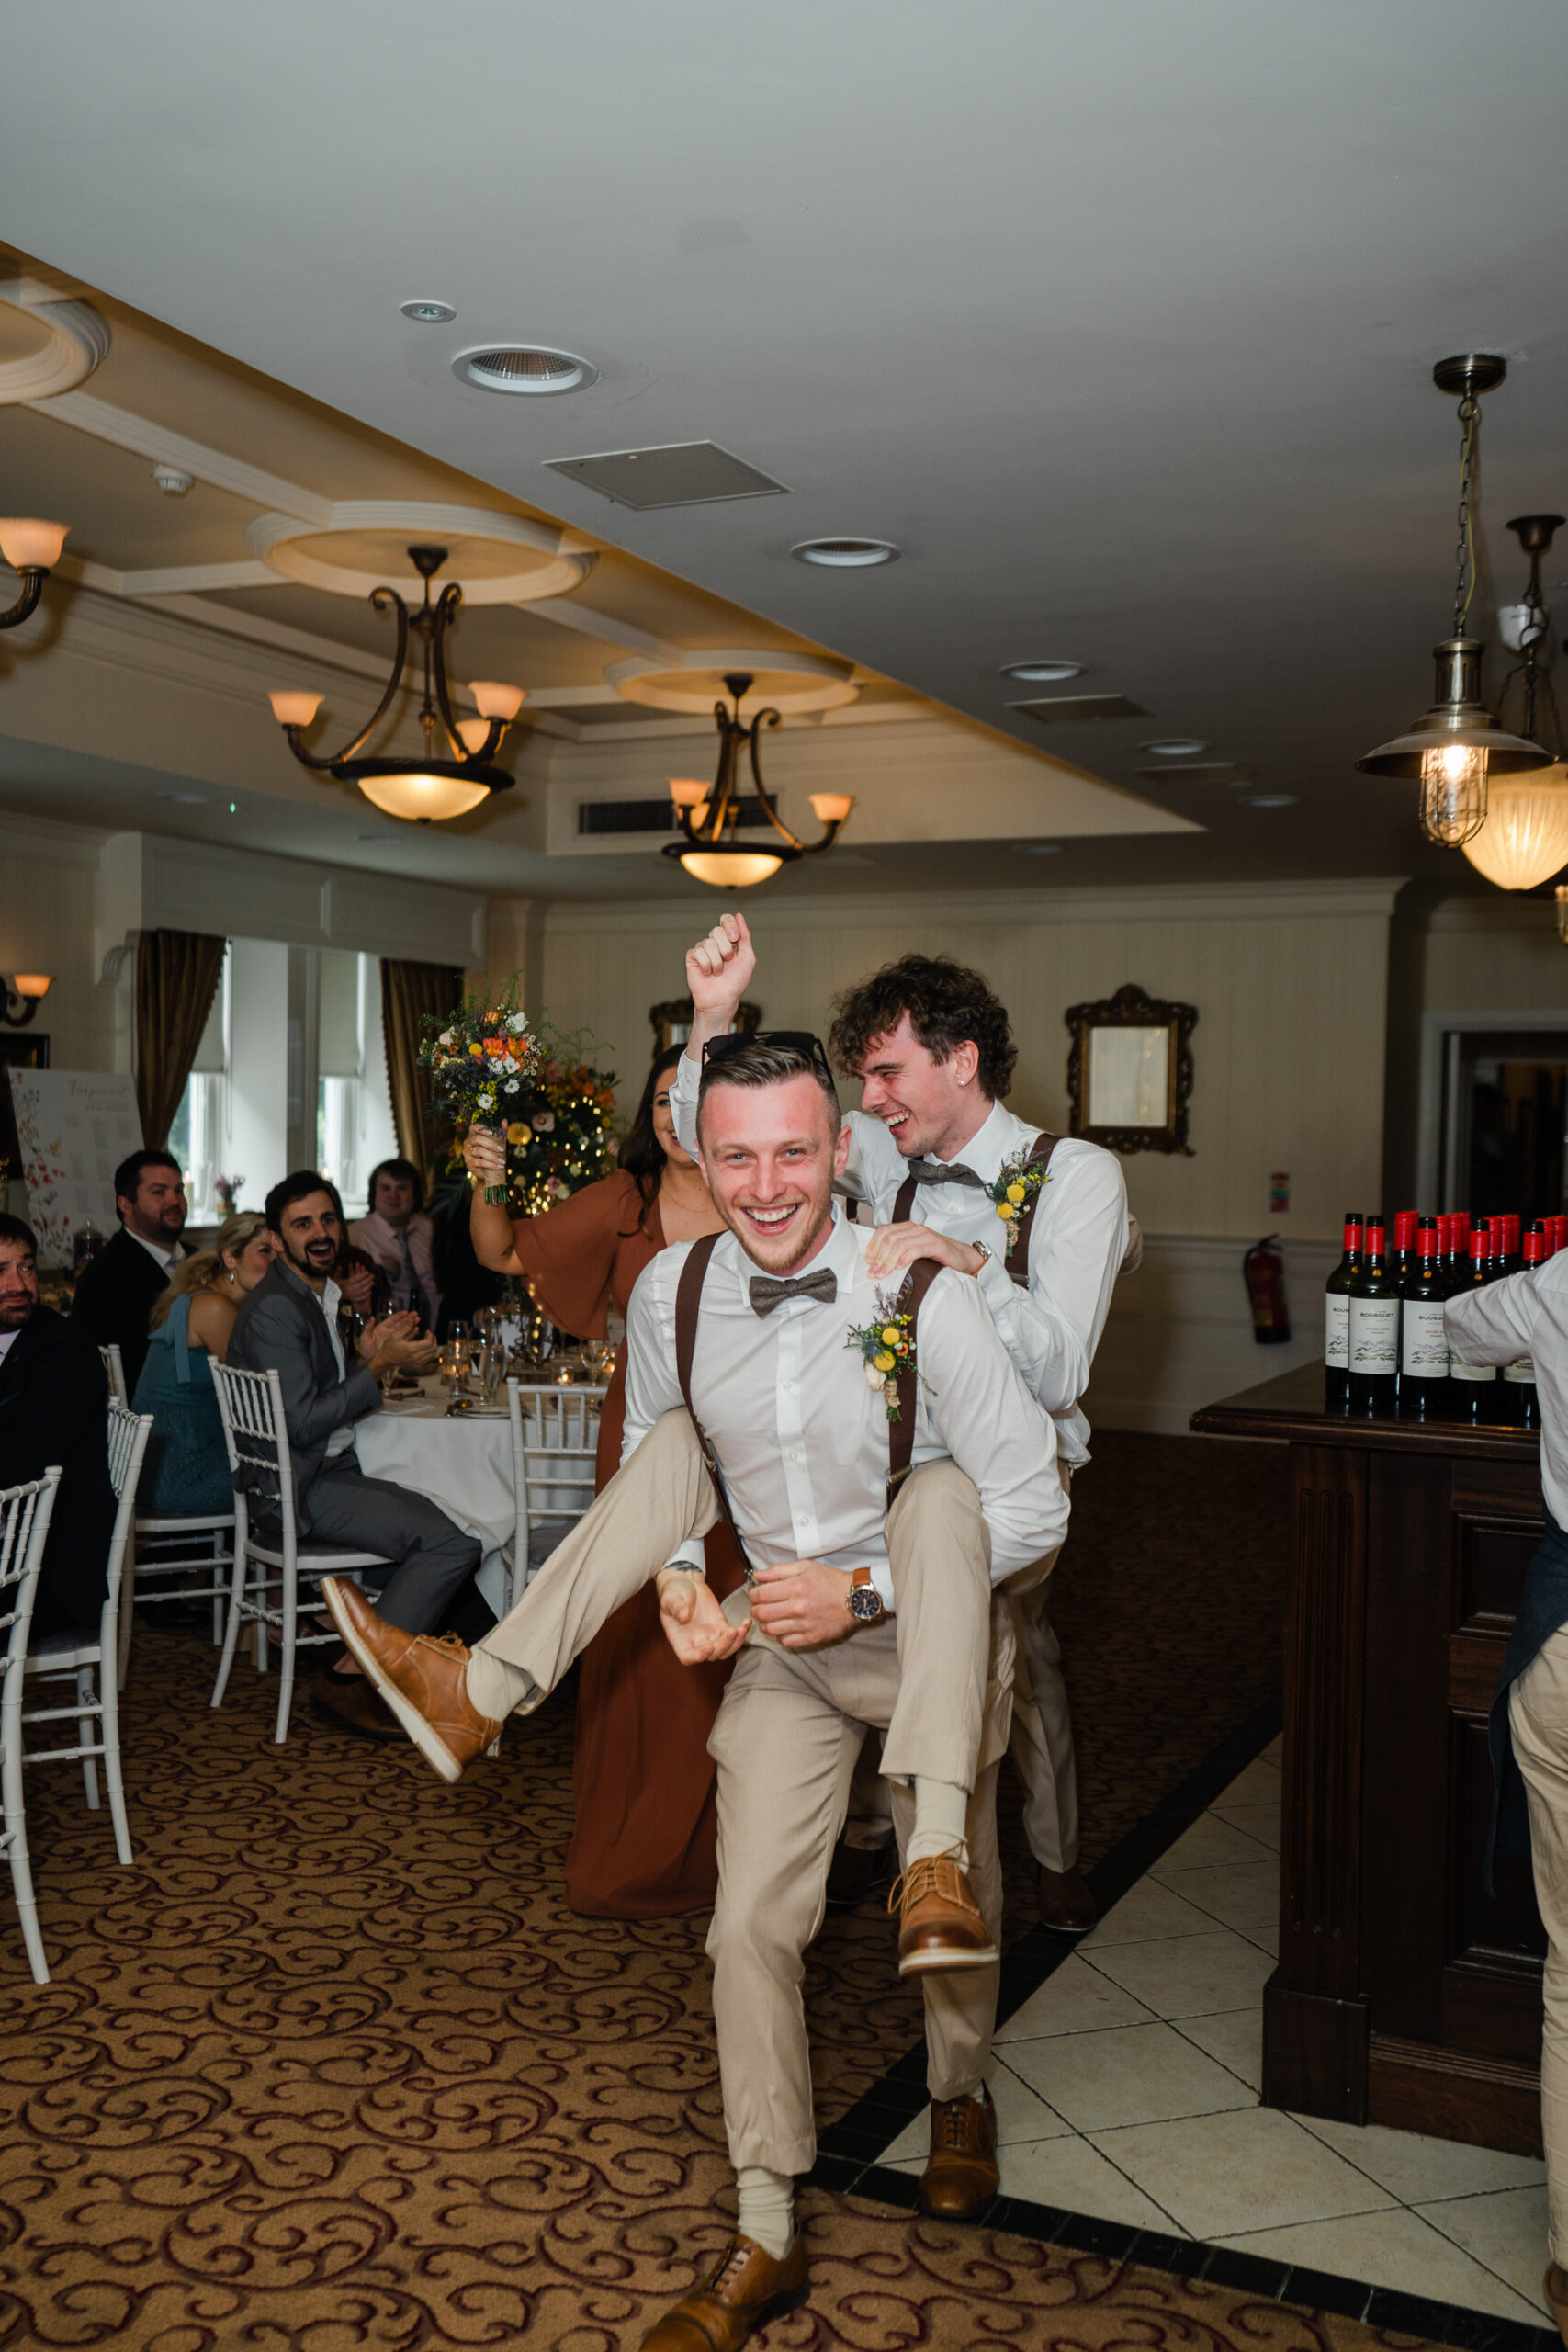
177, 1544
114, 1368
555, 1435
24, 1529
251, 1404
92, 1663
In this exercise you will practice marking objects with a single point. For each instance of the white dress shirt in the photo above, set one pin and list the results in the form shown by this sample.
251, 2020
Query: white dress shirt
397, 1253
156, 1250
332, 1299
801, 1438
1083, 1237
1525, 1316
6, 1341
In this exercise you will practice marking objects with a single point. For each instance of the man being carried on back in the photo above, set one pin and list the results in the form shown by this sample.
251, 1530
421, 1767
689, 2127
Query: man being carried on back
744, 1348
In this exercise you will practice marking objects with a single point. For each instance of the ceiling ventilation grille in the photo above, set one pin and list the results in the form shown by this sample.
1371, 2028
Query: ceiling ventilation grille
523, 367
1074, 711
646, 816
687, 474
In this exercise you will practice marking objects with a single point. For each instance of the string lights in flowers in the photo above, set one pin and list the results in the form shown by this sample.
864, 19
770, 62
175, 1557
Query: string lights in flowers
558, 1131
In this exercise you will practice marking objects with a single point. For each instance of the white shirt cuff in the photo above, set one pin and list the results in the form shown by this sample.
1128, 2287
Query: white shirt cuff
688, 1557
882, 1584
997, 1287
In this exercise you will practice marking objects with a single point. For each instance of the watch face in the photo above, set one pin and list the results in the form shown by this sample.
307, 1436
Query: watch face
865, 1602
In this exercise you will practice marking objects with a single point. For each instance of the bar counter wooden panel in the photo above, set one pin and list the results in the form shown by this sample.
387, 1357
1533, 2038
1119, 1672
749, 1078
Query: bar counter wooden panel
1404, 1994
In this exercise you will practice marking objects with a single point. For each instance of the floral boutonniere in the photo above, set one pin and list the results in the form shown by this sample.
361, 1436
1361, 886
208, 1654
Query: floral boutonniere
887, 1347
1020, 1181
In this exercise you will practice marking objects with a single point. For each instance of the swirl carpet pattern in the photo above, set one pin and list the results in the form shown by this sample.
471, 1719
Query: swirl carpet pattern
333, 2066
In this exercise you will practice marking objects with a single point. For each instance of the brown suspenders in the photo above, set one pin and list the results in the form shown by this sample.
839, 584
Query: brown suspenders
688, 1302
1016, 1263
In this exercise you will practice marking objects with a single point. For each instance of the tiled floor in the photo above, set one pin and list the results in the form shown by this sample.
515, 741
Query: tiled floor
1126, 2088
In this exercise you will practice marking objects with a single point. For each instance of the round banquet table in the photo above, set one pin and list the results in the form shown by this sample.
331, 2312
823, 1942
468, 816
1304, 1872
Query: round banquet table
463, 1464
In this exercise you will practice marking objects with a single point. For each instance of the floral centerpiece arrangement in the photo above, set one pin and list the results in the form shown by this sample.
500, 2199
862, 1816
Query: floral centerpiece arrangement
480, 1059
558, 1130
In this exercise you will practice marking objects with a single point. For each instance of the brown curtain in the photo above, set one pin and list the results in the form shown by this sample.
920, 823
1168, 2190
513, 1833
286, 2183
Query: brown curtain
177, 974
407, 991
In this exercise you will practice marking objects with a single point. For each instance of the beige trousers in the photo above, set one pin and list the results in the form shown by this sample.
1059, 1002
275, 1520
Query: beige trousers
943, 1632
789, 1729
1537, 1718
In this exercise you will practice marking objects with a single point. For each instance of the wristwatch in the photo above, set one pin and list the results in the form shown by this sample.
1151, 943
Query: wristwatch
986, 1258
864, 1602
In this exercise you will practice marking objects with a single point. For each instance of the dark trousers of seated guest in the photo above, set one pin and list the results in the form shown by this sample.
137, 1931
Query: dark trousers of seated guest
432, 1556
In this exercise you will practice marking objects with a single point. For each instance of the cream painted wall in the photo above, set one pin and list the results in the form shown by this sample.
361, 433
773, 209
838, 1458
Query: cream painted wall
47, 881
1493, 954
1289, 981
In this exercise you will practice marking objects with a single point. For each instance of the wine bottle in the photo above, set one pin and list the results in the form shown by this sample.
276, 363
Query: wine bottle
1337, 1310
1474, 1396
1423, 1349
1405, 1225
1375, 1327
1518, 1377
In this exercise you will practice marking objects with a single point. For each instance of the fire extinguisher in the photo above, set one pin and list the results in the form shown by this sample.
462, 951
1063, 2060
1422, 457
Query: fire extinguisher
1263, 1270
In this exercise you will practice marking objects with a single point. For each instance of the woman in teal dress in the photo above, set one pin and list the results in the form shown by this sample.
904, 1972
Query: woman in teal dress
186, 1468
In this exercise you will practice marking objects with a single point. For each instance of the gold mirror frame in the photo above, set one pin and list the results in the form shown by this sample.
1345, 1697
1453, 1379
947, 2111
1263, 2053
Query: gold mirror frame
678, 1015
1131, 1009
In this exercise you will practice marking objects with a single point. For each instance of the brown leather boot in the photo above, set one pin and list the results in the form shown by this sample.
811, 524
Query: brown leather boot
1065, 1903
744, 2290
940, 1923
961, 2175
422, 1679
348, 1702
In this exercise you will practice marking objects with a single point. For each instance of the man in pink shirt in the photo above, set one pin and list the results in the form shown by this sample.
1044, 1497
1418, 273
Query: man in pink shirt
399, 1237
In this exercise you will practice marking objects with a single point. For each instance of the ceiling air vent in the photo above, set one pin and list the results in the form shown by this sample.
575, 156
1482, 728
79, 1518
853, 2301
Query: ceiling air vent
687, 474
1073, 710
647, 816
523, 367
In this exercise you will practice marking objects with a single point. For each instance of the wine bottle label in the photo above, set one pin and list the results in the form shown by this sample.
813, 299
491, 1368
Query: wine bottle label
1424, 1352
1375, 1336
1336, 1332
1522, 1369
1472, 1371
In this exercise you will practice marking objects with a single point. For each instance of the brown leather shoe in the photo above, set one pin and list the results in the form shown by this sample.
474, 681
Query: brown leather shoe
744, 2290
961, 2175
1065, 1903
422, 1679
1554, 2286
940, 1923
854, 1870
347, 1701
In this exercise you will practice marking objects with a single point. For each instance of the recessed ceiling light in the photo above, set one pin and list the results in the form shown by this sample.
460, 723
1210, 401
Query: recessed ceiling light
1176, 747
532, 368
1042, 674
186, 799
428, 314
1270, 799
846, 555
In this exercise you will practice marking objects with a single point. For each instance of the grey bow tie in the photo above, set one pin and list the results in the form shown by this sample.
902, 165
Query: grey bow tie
938, 1172
766, 1290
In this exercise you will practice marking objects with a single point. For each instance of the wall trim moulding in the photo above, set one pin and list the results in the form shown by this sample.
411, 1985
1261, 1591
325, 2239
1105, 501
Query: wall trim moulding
253, 894
1217, 902
214, 467
49, 840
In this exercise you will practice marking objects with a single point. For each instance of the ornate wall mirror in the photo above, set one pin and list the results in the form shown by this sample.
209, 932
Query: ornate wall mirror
671, 1022
1130, 1071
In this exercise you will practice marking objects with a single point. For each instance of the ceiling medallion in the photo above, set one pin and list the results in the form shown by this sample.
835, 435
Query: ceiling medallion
495, 558
428, 789
708, 814
797, 685
1457, 743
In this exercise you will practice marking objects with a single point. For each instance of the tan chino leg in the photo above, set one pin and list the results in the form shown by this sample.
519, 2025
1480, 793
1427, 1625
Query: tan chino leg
1537, 1718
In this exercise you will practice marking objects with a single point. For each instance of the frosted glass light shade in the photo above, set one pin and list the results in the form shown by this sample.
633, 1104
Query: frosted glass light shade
475, 733
831, 807
30, 545
294, 710
32, 983
422, 798
495, 701
686, 792
730, 869
1454, 793
1525, 837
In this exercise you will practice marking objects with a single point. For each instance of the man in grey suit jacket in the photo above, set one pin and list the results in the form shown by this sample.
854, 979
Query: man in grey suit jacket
288, 1324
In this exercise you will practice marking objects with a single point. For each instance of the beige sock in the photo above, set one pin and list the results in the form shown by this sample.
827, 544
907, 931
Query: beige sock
495, 1688
767, 2209
940, 1812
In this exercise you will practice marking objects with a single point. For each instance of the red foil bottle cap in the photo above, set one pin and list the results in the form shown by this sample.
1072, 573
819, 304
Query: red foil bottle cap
1534, 1248
1374, 1239
1405, 1225
1480, 1243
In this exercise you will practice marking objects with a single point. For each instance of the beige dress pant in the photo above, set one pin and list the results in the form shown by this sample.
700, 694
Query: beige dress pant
1537, 1718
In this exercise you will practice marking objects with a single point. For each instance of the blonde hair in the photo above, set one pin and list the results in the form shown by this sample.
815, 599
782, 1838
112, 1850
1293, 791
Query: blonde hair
235, 1236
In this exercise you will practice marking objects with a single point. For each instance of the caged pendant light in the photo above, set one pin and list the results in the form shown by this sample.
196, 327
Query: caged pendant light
1456, 746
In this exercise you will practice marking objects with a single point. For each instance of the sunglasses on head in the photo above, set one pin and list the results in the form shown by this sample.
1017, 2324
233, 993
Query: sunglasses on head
795, 1041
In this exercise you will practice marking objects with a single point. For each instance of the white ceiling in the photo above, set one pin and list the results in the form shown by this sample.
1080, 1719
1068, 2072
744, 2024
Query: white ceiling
1118, 321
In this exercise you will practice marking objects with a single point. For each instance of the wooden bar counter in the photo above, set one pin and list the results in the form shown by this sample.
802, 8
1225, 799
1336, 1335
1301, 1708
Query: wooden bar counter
1404, 1994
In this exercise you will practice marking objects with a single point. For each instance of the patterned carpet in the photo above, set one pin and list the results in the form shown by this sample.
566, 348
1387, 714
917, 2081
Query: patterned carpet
333, 2065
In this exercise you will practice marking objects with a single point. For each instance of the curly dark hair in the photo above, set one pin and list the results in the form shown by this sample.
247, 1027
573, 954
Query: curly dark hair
948, 1006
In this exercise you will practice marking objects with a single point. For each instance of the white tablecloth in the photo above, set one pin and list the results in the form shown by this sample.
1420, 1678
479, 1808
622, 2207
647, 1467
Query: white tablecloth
465, 1465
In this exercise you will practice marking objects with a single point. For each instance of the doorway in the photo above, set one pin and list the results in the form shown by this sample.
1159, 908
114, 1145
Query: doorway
1505, 1112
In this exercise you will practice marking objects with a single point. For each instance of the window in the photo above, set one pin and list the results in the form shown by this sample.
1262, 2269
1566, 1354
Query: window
353, 1112
197, 1131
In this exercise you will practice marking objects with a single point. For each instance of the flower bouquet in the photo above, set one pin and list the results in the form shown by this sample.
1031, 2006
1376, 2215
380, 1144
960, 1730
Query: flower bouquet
558, 1131
479, 1059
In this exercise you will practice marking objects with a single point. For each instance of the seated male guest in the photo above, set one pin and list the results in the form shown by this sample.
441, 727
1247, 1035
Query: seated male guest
55, 1407
115, 1289
401, 1237
288, 1324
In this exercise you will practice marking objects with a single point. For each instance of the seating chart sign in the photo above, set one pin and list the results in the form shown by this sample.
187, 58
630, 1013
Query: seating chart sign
75, 1127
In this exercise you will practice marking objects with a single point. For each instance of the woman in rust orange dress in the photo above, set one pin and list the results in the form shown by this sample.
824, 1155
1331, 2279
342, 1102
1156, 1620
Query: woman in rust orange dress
644, 1843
